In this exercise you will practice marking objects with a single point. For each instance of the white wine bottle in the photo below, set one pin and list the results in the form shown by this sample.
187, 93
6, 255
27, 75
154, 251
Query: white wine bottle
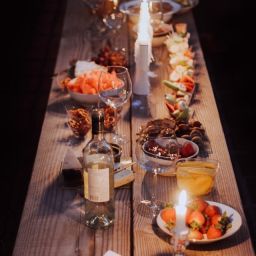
98, 177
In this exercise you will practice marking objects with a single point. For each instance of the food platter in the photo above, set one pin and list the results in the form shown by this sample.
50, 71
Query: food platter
236, 222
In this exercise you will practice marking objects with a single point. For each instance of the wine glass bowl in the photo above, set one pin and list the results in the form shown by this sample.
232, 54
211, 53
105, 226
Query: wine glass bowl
161, 153
115, 89
114, 19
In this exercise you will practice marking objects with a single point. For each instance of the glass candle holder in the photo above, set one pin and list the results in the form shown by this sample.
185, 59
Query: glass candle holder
179, 242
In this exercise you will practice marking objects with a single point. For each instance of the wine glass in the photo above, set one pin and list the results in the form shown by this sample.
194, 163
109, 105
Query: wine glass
157, 155
95, 28
114, 20
115, 89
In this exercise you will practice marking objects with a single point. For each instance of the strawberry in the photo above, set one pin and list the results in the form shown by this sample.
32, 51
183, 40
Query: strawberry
187, 150
212, 210
196, 219
206, 225
189, 211
213, 232
215, 219
195, 234
169, 216
198, 204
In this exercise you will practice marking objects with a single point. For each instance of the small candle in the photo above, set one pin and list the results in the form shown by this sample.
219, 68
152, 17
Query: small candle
179, 239
181, 212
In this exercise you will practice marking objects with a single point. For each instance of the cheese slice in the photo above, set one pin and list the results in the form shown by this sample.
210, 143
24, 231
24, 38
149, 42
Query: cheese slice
124, 177
83, 67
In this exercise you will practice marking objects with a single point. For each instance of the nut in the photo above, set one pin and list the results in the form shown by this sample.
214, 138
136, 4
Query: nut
194, 133
186, 136
196, 124
198, 140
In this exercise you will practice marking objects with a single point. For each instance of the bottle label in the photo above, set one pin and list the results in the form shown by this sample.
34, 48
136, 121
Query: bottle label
98, 185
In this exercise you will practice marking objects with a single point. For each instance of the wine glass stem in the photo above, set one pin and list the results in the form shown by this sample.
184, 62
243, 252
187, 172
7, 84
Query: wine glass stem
154, 192
116, 117
115, 40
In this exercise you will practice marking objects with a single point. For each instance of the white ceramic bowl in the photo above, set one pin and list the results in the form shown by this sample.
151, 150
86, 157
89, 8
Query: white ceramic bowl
126, 7
84, 98
166, 160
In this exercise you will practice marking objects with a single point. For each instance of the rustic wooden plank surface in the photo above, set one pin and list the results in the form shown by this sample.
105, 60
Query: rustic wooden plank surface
148, 239
52, 219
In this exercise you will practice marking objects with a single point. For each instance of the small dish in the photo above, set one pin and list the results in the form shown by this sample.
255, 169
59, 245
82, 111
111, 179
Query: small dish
132, 9
236, 222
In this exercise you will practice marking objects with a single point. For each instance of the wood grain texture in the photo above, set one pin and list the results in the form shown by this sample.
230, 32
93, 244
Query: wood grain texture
148, 239
52, 219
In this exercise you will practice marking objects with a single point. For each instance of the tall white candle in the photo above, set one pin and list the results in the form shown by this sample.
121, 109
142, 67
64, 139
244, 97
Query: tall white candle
143, 51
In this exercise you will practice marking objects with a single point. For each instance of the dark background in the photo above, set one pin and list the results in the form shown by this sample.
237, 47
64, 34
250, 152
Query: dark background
31, 40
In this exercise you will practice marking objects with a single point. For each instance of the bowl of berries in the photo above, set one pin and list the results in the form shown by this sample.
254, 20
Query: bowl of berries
207, 221
162, 149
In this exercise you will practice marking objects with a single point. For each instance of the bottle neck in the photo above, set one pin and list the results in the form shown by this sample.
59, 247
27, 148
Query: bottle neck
98, 136
98, 124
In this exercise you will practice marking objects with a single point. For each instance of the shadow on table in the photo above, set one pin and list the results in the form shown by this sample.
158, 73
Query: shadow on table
60, 200
59, 106
141, 106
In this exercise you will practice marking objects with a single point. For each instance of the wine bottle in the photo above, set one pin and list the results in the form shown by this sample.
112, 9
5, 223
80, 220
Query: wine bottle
98, 177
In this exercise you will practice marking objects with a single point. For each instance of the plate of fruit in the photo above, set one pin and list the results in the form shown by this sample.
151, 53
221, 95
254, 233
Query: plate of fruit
82, 82
207, 221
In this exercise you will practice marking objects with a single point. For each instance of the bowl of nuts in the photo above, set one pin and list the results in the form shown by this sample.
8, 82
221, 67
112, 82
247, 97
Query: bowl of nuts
79, 121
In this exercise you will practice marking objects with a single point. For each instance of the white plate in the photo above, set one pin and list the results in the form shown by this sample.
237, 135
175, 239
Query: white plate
166, 160
236, 222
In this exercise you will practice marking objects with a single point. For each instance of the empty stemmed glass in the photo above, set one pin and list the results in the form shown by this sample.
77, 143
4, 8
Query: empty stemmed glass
157, 155
115, 89
96, 30
113, 19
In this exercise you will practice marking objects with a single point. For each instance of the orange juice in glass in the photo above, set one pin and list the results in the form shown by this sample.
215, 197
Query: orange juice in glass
196, 176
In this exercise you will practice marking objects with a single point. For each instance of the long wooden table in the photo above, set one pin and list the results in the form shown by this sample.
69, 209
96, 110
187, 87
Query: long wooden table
52, 220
